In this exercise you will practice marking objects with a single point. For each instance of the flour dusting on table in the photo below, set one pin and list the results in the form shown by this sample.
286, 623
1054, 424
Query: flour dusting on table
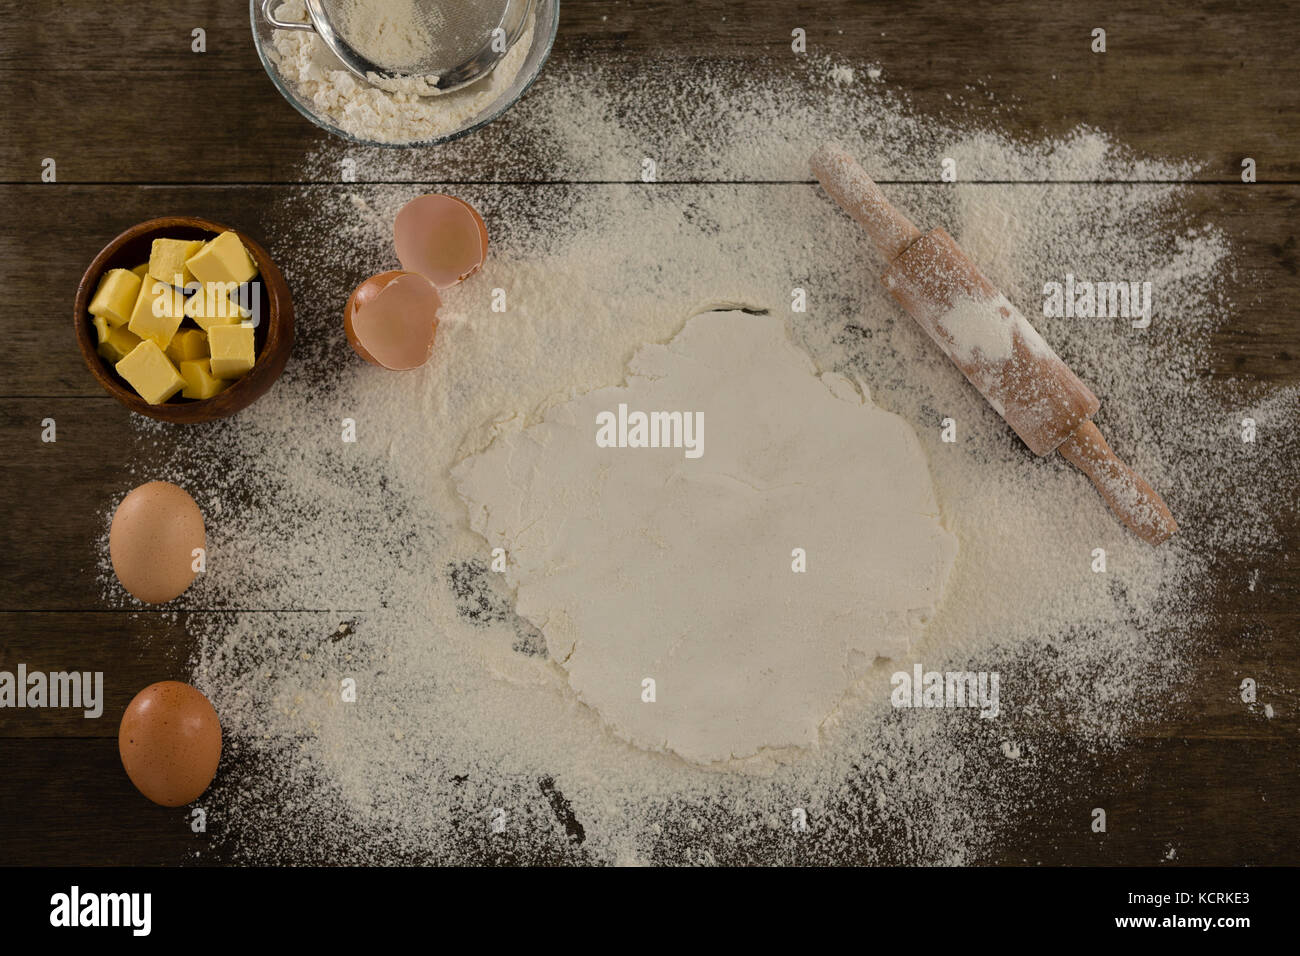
461, 719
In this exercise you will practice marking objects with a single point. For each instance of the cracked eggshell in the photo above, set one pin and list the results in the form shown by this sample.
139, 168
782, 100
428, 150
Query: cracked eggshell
391, 319
441, 237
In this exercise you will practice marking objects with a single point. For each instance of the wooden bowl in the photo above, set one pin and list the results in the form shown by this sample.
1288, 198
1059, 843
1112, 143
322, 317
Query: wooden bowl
273, 336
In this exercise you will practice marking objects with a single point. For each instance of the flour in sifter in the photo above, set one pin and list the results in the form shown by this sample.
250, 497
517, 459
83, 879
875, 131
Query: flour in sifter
373, 114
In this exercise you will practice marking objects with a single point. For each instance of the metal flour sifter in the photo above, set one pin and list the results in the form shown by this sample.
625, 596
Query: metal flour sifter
424, 47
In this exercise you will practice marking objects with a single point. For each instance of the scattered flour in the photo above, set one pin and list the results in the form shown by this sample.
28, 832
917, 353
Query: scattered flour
842, 75
463, 718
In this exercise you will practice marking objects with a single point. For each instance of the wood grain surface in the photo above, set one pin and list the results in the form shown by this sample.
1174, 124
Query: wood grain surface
140, 125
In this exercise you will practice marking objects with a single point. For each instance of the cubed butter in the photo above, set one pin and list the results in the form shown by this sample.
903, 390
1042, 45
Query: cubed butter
158, 313
199, 382
116, 296
167, 259
187, 344
115, 342
150, 373
224, 259
232, 350
212, 305
141, 270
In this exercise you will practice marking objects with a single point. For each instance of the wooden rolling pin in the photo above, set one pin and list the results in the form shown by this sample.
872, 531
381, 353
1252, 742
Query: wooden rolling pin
997, 350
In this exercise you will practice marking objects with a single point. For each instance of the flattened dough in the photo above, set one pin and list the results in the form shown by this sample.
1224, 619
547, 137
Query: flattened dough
642, 563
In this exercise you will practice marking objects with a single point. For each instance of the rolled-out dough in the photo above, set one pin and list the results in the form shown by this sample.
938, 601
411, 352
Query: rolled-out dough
642, 563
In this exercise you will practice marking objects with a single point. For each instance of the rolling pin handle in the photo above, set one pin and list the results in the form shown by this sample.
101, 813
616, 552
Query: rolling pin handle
1128, 494
855, 192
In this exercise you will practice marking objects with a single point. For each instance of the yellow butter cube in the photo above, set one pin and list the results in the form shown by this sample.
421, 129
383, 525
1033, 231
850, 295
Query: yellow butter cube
211, 305
150, 373
115, 342
158, 313
187, 344
167, 259
224, 259
141, 270
199, 382
232, 350
115, 296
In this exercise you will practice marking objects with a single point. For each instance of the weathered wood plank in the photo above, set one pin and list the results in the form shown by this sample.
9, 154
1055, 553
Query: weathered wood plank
1210, 803
58, 499
49, 234
1212, 780
1228, 66
132, 648
74, 806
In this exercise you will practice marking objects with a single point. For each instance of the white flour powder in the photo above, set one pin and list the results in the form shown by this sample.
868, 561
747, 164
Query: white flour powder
389, 33
462, 721
986, 330
377, 115
642, 563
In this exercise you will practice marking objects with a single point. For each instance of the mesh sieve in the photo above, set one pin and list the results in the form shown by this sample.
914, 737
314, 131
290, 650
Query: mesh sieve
420, 46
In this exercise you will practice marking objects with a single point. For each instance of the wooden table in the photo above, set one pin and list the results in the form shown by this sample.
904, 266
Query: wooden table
138, 125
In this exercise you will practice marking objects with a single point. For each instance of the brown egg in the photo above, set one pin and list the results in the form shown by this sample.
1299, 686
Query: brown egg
170, 742
390, 320
152, 540
441, 237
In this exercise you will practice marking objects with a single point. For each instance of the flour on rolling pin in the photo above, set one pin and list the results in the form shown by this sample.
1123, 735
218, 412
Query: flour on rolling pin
996, 348
986, 330
982, 334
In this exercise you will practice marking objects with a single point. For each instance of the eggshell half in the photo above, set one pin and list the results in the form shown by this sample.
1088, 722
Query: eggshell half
359, 297
152, 540
441, 237
391, 320
170, 743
